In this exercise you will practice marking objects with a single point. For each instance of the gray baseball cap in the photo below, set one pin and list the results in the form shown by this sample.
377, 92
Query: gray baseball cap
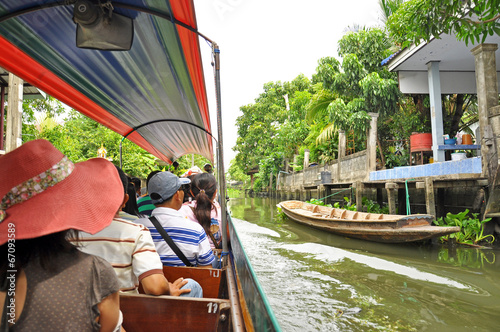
164, 185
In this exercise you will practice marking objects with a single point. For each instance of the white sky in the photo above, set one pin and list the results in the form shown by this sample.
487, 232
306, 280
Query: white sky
270, 40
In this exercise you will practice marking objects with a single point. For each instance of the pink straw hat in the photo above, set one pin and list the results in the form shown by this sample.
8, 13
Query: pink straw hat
42, 192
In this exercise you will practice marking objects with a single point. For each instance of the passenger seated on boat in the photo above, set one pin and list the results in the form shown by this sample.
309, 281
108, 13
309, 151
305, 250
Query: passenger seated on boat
204, 209
144, 203
129, 248
167, 194
208, 168
188, 196
136, 182
56, 286
131, 207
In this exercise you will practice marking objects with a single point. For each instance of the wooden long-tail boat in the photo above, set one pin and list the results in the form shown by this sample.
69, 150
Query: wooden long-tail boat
135, 66
377, 227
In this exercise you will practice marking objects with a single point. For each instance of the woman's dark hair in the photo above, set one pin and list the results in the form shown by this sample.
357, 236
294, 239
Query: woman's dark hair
44, 248
137, 183
188, 197
203, 188
131, 205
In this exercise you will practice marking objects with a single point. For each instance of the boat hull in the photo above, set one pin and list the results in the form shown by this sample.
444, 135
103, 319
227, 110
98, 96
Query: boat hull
372, 227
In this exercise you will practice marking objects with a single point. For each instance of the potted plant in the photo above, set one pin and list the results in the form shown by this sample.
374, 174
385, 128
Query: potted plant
459, 155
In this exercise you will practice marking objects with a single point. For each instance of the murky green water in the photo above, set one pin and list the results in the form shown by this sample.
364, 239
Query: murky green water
317, 281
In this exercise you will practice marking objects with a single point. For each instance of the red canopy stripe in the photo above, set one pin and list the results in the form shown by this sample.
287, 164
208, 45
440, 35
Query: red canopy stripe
184, 12
22, 65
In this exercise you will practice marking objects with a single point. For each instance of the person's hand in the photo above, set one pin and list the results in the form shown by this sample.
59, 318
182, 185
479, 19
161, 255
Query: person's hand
175, 287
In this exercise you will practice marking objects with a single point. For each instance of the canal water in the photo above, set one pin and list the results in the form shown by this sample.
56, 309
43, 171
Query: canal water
317, 281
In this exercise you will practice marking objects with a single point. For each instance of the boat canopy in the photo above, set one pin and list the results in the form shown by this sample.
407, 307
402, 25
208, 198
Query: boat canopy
154, 93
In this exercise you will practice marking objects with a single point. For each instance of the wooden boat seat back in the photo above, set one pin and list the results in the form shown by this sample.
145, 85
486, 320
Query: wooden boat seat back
210, 280
374, 216
338, 213
350, 215
172, 313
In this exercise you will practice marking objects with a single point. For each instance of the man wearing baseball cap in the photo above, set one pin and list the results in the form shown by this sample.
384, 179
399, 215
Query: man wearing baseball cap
167, 193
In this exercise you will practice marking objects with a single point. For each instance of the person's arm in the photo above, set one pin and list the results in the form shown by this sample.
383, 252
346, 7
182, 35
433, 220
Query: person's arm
155, 284
109, 309
147, 265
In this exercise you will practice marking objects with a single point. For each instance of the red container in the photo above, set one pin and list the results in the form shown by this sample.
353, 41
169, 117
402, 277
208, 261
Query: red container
421, 142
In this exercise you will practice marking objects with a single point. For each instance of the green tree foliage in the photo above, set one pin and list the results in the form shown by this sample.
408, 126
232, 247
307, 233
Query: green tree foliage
80, 137
268, 167
420, 20
388, 7
38, 113
235, 173
272, 127
354, 87
339, 97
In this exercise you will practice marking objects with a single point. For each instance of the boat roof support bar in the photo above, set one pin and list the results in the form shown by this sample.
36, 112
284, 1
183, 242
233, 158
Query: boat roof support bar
156, 121
220, 150
115, 4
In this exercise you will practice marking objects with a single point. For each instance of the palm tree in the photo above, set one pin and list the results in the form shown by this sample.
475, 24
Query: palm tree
354, 28
388, 7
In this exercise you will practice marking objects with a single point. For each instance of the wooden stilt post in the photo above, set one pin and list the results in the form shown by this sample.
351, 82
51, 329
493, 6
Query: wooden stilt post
15, 114
402, 201
359, 196
391, 196
430, 202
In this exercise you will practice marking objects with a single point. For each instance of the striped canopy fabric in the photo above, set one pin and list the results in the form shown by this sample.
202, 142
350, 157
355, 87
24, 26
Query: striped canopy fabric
159, 80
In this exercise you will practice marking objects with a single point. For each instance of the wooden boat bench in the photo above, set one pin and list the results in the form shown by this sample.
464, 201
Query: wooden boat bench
210, 280
144, 313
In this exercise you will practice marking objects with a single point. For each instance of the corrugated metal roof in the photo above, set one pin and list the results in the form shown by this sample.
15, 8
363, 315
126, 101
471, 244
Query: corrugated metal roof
386, 60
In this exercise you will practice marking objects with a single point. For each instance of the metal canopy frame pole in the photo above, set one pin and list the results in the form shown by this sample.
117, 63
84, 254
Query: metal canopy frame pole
156, 121
236, 314
220, 150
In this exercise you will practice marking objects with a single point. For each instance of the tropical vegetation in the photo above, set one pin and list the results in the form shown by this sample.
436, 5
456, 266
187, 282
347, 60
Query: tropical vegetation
80, 138
288, 118
471, 228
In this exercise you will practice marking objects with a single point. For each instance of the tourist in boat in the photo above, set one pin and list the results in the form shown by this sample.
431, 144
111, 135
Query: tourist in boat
144, 203
167, 193
208, 168
188, 196
204, 209
129, 248
137, 186
130, 209
47, 283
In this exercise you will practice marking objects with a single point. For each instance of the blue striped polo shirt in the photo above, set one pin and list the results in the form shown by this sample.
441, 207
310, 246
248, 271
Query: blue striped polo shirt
189, 236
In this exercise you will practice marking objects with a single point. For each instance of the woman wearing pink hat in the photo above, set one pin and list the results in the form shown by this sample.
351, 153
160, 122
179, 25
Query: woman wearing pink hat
47, 284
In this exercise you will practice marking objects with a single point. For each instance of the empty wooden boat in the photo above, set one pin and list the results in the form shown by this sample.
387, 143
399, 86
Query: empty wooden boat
377, 227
